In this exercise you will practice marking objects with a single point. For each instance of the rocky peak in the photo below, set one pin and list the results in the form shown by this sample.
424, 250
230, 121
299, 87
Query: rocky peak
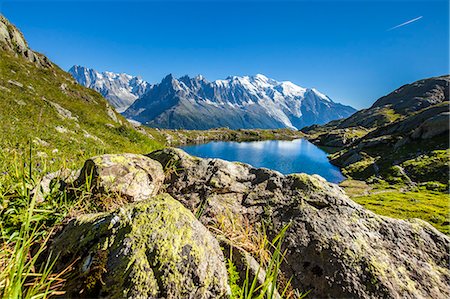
195, 83
416, 96
235, 102
168, 79
120, 89
12, 40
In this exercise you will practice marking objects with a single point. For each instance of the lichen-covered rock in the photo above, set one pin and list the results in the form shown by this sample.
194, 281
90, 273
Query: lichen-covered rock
334, 247
135, 177
155, 248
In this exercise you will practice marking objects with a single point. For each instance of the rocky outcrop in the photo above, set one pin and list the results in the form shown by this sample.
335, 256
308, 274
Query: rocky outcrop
157, 248
12, 40
433, 126
340, 137
334, 247
134, 177
409, 122
152, 249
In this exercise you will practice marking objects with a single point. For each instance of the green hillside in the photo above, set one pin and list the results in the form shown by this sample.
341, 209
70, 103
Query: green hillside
396, 153
43, 108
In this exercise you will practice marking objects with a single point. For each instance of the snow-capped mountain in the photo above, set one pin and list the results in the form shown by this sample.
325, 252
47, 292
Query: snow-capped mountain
236, 102
121, 90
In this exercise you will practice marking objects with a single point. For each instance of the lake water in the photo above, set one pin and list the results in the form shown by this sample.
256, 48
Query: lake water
287, 157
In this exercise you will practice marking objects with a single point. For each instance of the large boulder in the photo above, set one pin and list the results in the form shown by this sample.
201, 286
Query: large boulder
155, 248
334, 247
134, 177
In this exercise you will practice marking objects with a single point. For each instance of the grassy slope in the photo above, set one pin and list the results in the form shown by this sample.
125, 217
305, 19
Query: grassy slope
427, 205
25, 116
391, 194
394, 200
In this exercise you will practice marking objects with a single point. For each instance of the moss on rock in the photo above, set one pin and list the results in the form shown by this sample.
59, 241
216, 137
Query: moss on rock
155, 248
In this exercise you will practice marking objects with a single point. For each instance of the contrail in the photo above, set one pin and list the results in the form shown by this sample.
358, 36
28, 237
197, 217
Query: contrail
406, 23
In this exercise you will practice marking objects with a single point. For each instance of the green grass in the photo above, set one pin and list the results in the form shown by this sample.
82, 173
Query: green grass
430, 206
28, 116
25, 228
428, 167
251, 288
390, 115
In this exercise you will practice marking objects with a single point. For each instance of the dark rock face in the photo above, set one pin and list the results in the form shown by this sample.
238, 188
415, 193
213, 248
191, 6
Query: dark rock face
152, 249
335, 248
417, 96
433, 126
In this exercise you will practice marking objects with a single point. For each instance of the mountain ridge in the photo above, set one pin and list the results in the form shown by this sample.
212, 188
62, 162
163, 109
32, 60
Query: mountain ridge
120, 89
236, 102
404, 125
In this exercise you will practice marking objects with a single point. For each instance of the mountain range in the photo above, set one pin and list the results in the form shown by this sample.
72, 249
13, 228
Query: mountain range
90, 224
121, 90
245, 102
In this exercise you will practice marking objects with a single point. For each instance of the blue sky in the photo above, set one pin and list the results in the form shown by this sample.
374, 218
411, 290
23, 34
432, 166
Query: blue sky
343, 48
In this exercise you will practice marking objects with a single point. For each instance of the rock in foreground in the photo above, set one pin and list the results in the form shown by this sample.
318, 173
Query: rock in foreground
134, 177
156, 248
152, 249
335, 247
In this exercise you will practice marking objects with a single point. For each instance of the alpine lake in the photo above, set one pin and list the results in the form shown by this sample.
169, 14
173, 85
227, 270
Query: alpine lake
295, 156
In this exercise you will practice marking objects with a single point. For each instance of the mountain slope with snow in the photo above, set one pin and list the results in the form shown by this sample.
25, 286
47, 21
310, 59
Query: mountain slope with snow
236, 102
121, 90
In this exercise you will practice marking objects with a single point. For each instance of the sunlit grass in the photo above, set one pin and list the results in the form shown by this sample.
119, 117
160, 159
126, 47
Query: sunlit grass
25, 265
273, 285
430, 206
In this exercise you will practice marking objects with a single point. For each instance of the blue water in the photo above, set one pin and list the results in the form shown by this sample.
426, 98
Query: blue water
286, 157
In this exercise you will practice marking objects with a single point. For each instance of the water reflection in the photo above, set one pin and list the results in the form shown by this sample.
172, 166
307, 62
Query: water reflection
286, 157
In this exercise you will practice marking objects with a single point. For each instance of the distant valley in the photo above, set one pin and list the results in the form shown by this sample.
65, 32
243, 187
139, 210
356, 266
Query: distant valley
247, 102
